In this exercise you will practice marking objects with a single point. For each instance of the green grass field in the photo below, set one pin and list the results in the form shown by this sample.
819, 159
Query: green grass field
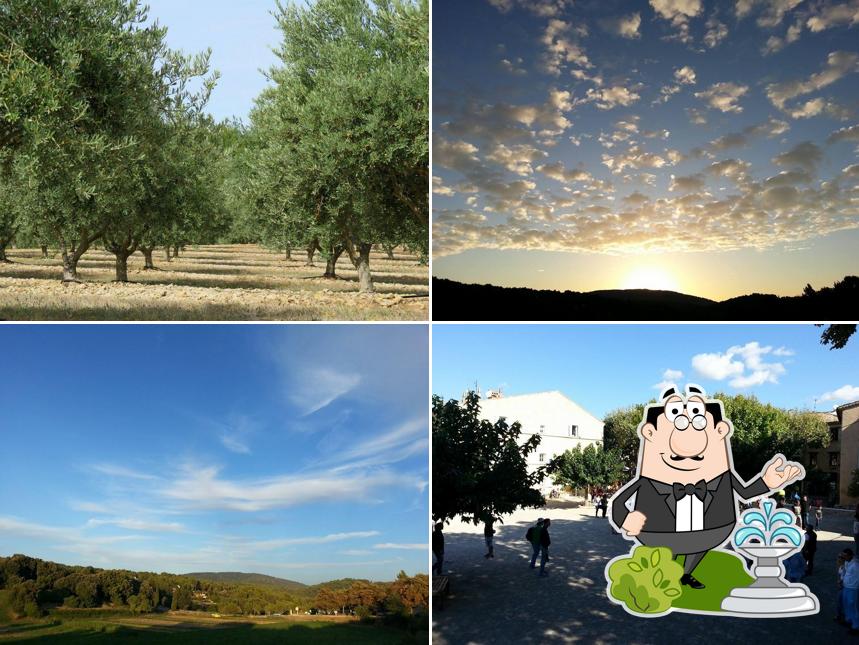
67, 629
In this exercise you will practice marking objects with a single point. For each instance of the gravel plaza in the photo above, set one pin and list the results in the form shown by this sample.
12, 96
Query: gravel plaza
501, 600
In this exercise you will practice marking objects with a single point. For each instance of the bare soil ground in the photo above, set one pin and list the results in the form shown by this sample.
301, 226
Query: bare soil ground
218, 282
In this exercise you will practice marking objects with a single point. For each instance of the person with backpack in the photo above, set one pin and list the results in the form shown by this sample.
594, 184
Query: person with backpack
545, 541
604, 504
533, 536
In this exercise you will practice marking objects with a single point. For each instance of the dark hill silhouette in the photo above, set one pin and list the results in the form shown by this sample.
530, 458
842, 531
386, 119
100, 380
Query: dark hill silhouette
457, 301
247, 578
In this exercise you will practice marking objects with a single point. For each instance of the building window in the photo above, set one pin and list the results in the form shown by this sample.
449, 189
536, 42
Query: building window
833, 460
833, 433
574, 431
542, 455
812, 459
542, 429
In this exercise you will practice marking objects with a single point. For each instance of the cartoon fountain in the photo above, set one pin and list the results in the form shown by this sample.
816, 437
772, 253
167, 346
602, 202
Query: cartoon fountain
768, 535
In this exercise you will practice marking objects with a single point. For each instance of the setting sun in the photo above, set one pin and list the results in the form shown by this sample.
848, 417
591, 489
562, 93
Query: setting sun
649, 277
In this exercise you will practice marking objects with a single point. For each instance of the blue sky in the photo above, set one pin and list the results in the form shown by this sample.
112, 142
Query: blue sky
646, 143
297, 451
241, 35
604, 367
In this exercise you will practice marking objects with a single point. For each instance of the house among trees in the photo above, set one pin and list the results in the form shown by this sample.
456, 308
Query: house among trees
561, 423
829, 471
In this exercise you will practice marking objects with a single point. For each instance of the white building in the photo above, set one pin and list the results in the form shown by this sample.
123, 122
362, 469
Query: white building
561, 423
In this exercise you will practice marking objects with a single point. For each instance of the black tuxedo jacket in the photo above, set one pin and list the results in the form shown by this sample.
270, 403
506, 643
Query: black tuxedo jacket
656, 500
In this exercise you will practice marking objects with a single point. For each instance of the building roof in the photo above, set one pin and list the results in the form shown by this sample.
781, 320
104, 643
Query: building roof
829, 417
535, 399
841, 408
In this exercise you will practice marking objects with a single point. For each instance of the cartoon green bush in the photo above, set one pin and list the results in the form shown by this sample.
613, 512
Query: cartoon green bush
648, 582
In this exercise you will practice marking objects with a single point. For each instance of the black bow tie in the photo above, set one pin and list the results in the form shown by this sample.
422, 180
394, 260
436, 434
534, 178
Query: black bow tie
699, 490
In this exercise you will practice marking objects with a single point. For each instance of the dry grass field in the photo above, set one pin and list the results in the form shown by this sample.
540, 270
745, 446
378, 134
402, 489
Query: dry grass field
219, 282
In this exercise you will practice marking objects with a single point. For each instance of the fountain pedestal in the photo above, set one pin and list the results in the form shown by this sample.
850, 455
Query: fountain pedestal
769, 594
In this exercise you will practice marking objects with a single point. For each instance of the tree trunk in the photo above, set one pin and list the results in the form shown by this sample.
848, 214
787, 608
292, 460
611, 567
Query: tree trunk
175, 250
331, 262
147, 258
3, 257
311, 251
360, 256
70, 266
121, 266
288, 253
44, 251
389, 249
167, 252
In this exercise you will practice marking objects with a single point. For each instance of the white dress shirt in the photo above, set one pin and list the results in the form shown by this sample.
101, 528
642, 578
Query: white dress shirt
689, 514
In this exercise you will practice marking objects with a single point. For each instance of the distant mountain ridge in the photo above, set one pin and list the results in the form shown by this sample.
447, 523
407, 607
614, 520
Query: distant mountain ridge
453, 300
247, 578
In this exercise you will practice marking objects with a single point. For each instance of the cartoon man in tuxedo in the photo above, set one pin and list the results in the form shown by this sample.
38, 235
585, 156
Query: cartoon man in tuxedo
684, 494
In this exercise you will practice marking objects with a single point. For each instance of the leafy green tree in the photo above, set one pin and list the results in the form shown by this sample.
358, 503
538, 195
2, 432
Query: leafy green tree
620, 434
479, 468
88, 592
837, 336
761, 430
592, 467
182, 598
346, 130
92, 64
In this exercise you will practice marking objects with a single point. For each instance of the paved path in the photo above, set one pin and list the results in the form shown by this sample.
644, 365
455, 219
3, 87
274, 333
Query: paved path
503, 601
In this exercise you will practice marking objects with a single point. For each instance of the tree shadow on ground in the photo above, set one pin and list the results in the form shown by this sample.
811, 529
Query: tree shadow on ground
502, 600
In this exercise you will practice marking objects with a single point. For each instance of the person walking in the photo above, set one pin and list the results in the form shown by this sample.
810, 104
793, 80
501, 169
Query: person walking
545, 541
438, 547
809, 549
849, 591
803, 506
488, 532
604, 504
533, 536
818, 514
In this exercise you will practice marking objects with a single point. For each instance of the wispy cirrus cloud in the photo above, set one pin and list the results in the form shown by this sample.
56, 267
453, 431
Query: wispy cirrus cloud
403, 547
114, 470
138, 525
204, 488
313, 388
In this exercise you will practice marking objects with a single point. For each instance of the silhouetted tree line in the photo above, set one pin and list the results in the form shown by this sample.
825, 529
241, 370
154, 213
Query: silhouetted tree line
456, 301
34, 586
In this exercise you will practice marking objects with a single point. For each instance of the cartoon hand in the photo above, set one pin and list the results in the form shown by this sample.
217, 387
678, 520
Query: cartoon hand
778, 473
633, 523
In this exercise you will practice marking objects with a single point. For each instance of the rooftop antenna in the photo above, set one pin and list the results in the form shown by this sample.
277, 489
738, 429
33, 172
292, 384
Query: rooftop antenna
814, 408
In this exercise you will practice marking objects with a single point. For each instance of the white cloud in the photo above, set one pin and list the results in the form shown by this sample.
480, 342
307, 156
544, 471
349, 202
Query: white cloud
850, 133
832, 14
410, 547
608, 98
669, 377
560, 48
678, 12
203, 488
139, 525
517, 158
623, 26
438, 188
838, 65
685, 75
843, 393
315, 388
716, 32
744, 365
724, 96
805, 155
268, 545
558, 172
120, 471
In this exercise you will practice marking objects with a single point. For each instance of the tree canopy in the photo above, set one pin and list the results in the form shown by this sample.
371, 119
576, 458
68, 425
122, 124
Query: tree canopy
480, 468
593, 466
760, 430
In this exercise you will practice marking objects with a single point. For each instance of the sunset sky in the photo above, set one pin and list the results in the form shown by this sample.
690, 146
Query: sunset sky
704, 147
